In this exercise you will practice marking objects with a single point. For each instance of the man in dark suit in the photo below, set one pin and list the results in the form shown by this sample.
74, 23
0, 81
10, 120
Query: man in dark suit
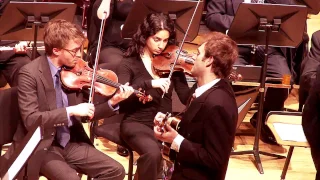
309, 67
311, 120
220, 14
65, 147
207, 129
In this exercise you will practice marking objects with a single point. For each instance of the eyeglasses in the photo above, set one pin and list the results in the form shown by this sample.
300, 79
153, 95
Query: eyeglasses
73, 53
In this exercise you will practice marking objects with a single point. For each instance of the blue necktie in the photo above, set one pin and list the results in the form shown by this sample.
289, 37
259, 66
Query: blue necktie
63, 132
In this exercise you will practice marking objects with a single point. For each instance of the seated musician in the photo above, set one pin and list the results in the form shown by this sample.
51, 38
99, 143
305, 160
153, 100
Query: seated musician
309, 66
65, 145
207, 129
152, 37
113, 45
219, 17
12, 60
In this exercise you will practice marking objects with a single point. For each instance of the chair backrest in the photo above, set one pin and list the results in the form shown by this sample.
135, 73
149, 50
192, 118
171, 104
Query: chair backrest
9, 114
287, 128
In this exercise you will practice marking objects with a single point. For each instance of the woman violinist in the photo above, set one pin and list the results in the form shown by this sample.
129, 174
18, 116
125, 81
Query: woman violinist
152, 37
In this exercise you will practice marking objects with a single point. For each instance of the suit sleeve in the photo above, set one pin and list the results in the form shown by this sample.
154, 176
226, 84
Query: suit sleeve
311, 63
125, 74
103, 110
29, 107
217, 18
181, 86
219, 129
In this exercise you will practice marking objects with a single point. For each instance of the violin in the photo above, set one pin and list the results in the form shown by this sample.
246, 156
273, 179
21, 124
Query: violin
106, 80
163, 62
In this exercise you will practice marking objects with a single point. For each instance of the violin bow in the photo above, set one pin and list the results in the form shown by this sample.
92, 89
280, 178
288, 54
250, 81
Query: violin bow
96, 60
182, 42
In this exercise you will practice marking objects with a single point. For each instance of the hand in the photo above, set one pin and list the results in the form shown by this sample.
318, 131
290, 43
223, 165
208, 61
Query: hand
83, 109
104, 9
167, 136
159, 118
21, 47
123, 93
162, 83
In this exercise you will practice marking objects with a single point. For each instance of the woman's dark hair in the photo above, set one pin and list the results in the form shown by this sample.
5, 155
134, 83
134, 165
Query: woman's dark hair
152, 24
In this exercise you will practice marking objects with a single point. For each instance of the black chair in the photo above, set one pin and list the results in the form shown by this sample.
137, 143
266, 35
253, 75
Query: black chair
9, 115
10, 118
111, 131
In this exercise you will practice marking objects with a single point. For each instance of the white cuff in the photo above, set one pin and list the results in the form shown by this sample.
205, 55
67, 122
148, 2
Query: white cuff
177, 142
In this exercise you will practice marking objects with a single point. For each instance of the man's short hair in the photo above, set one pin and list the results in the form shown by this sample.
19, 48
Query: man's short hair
57, 34
224, 52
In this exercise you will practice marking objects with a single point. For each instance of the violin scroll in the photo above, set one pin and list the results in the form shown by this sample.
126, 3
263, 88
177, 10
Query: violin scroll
143, 97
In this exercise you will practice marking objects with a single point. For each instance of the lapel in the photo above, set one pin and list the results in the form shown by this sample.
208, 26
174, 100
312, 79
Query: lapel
236, 4
47, 81
197, 103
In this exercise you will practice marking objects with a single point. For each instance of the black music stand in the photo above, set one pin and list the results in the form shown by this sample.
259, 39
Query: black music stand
268, 25
180, 11
313, 5
23, 152
24, 21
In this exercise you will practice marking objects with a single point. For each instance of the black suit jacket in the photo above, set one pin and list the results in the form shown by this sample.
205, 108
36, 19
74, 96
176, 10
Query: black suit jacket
208, 126
310, 64
311, 119
36, 97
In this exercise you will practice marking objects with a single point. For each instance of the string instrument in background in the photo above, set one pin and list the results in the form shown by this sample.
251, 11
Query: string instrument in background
163, 62
106, 83
174, 122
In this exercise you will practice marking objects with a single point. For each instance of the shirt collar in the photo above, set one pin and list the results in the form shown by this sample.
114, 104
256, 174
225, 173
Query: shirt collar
53, 68
200, 90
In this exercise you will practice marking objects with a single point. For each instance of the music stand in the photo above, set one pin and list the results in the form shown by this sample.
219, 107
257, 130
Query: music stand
23, 152
24, 21
313, 5
268, 25
180, 11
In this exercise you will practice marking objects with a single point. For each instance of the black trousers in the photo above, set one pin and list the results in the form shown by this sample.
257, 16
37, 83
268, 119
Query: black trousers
83, 157
110, 57
277, 67
10, 65
140, 138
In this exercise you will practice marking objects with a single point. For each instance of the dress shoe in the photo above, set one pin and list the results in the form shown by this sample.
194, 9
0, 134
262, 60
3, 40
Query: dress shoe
267, 137
122, 151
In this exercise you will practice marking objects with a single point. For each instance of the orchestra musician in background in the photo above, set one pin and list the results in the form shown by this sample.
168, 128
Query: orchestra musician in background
113, 45
207, 129
220, 14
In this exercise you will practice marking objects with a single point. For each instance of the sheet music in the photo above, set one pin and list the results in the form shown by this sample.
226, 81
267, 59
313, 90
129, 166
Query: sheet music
290, 132
24, 155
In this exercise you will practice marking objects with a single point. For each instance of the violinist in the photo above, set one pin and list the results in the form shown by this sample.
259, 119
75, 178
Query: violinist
152, 37
65, 145
113, 45
203, 143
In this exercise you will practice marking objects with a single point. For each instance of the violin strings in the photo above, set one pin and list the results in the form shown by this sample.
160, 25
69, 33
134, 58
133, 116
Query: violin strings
109, 82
